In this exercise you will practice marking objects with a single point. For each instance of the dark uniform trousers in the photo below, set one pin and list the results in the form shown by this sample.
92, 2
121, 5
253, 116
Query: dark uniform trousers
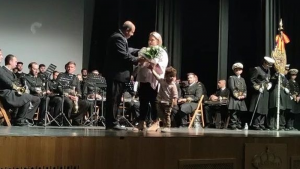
273, 116
42, 107
25, 111
84, 107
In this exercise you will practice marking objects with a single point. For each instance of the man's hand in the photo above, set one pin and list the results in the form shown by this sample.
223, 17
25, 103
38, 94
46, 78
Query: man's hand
141, 60
213, 98
298, 99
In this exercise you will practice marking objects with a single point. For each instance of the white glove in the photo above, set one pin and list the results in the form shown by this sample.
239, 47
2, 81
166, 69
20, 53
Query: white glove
261, 90
287, 91
269, 86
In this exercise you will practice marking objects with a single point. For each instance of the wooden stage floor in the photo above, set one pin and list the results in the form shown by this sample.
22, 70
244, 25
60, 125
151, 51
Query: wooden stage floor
182, 148
101, 132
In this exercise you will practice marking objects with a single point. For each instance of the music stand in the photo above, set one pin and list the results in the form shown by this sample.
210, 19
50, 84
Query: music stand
51, 68
96, 82
61, 114
122, 117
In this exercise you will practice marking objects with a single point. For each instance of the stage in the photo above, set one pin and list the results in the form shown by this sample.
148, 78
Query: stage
95, 147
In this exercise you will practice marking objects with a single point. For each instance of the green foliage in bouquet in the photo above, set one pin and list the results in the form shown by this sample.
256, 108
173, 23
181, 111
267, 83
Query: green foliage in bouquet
153, 52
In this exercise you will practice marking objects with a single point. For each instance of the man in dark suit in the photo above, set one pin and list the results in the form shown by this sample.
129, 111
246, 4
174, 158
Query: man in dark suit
11, 98
216, 113
36, 88
73, 106
117, 70
189, 100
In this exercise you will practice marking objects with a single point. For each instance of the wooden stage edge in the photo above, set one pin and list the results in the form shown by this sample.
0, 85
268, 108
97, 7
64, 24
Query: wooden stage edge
70, 148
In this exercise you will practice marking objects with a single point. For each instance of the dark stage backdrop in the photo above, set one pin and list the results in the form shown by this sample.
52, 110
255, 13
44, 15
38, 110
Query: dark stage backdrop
110, 14
200, 33
290, 14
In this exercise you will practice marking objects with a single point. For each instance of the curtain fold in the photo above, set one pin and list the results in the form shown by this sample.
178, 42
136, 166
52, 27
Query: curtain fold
168, 24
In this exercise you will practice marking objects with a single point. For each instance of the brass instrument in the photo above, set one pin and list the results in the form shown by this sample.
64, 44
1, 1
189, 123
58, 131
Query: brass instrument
75, 102
20, 90
76, 107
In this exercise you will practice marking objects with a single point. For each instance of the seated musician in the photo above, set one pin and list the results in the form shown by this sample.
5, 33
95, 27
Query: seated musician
19, 69
131, 99
36, 87
13, 97
216, 113
69, 85
189, 101
205, 98
42, 74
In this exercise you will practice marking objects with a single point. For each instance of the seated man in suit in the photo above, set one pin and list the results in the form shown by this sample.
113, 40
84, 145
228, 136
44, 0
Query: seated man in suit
12, 97
216, 113
36, 88
69, 85
189, 101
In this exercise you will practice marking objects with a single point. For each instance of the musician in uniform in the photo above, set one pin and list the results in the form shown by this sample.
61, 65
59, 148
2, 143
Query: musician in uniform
42, 70
217, 113
295, 93
260, 79
25, 103
36, 88
238, 93
20, 72
188, 103
285, 101
69, 85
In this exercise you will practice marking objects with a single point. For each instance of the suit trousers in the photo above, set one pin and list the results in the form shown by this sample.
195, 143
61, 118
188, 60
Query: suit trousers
114, 93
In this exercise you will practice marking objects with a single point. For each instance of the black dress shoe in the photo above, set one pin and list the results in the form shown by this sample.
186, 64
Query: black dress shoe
40, 123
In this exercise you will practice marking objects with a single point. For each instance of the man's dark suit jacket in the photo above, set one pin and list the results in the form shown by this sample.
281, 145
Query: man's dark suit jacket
119, 61
7, 79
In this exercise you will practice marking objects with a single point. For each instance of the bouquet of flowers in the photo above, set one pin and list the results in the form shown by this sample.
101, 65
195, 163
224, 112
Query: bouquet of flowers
150, 53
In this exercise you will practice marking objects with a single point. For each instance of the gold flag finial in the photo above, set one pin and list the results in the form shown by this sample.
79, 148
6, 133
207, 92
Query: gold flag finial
280, 25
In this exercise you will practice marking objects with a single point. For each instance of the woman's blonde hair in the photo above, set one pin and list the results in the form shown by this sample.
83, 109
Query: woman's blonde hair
157, 36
